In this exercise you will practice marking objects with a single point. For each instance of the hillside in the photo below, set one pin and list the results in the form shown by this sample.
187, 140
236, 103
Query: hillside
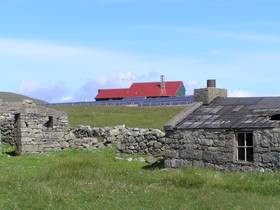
106, 116
13, 97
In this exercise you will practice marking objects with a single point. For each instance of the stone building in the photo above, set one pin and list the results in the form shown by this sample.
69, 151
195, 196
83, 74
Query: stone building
32, 128
216, 131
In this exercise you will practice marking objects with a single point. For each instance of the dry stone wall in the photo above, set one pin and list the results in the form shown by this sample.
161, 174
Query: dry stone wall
217, 149
32, 128
7, 128
127, 140
37, 136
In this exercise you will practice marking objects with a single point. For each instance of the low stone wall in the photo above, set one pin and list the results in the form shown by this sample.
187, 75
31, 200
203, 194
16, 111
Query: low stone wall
143, 141
127, 140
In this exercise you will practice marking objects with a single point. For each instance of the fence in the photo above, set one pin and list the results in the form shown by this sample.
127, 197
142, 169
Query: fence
170, 101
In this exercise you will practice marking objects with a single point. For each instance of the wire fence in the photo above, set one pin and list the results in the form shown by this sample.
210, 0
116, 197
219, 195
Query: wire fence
170, 101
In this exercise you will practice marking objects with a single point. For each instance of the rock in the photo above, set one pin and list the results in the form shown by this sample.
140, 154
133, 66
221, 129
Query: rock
141, 159
151, 159
64, 145
157, 145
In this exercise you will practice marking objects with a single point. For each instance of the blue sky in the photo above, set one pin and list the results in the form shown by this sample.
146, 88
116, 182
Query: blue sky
65, 50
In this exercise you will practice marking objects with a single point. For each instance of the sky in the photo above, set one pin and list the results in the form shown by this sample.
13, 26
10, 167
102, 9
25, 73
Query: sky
65, 50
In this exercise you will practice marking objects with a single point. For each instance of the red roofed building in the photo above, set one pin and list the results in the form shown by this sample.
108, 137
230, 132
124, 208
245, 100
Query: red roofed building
146, 89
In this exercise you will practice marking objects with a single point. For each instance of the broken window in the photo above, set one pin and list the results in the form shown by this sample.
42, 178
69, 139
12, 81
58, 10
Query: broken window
275, 117
49, 123
245, 150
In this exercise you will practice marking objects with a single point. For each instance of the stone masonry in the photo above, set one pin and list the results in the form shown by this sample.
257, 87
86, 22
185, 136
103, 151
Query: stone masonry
216, 149
32, 128
127, 140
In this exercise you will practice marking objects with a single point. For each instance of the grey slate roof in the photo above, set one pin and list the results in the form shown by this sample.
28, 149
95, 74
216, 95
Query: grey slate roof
234, 113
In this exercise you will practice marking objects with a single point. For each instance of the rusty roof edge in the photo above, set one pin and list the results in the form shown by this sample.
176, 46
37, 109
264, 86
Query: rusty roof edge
190, 108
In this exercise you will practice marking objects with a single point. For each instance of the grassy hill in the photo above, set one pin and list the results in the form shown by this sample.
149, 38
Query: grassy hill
143, 117
13, 97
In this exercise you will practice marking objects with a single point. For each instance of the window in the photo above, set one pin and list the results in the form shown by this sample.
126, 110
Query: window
49, 123
275, 117
245, 146
17, 117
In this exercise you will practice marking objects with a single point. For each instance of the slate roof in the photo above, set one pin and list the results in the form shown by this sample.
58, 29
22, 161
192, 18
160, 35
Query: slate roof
234, 113
145, 89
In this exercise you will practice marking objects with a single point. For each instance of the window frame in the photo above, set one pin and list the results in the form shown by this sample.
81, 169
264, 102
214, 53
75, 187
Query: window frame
245, 147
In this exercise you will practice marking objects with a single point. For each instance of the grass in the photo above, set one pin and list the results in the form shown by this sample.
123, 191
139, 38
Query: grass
75, 179
96, 180
143, 117
13, 97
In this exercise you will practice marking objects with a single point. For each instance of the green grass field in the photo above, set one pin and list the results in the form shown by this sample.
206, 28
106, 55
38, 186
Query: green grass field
75, 179
96, 180
143, 117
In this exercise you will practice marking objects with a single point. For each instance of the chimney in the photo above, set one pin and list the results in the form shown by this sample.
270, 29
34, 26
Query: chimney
211, 83
208, 94
162, 86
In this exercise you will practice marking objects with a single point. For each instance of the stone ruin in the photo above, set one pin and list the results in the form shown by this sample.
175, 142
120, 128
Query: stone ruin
31, 128
216, 131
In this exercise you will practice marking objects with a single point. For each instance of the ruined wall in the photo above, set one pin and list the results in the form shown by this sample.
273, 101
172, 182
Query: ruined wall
25, 125
127, 140
7, 128
37, 136
217, 149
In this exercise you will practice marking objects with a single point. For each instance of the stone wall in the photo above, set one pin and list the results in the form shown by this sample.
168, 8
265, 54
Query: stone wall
37, 136
32, 128
7, 128
217, 149
127, 140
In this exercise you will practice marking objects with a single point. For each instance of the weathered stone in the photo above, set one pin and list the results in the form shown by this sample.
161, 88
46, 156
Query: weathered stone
141, 159
32, 128
218, 149
151, 159
157, 145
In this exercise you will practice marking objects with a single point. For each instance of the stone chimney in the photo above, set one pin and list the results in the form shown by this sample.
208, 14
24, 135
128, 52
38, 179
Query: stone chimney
207, 95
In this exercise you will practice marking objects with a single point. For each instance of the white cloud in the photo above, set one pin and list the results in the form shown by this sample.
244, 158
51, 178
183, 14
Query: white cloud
60, 93
66, 99
83, 70
51, 93
240, 93
191, 85
89, 90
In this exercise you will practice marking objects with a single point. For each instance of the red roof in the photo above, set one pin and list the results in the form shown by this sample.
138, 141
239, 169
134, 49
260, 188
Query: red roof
147, 89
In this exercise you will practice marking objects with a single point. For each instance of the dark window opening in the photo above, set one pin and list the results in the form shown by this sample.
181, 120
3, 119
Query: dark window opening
49, 123
17, 116
245, 151
275, 117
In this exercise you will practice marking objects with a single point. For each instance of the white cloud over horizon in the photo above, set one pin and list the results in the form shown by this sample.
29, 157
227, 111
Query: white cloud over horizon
63, 72
240, 93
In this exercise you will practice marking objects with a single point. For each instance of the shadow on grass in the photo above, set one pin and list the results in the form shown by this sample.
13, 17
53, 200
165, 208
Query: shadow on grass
11, 153
9, 150
159, 164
